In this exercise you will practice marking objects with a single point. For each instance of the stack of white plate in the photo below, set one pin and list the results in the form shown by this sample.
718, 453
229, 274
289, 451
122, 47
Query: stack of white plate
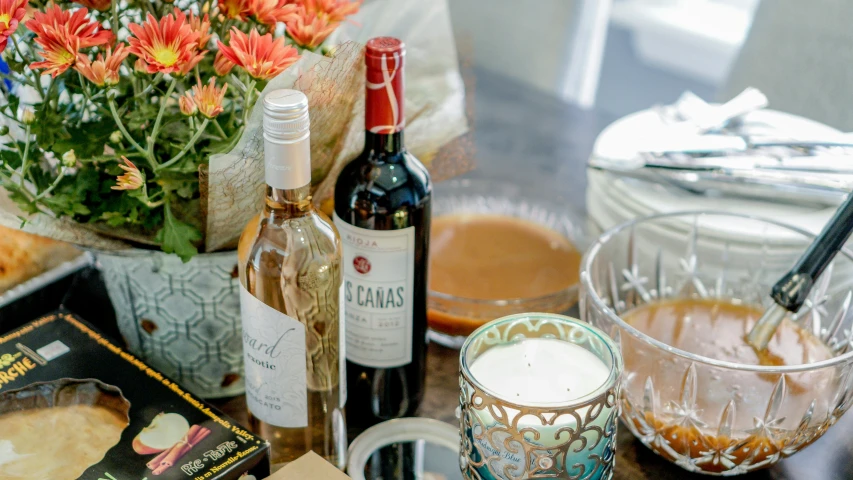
612, 200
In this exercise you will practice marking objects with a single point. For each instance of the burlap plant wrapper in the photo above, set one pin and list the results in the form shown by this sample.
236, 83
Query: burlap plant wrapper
434, 104
235, 180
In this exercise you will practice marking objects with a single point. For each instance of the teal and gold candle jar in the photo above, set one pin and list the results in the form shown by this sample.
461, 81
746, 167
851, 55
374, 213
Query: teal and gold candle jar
538, 395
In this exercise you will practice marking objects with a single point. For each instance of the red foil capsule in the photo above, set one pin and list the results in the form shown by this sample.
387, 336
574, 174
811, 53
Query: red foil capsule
384, 58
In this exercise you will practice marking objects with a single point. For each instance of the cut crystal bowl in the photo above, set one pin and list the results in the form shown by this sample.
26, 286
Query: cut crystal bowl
707, 415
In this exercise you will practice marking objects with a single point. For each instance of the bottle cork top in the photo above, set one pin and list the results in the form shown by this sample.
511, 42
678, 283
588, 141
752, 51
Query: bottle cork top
384, 47
286, 116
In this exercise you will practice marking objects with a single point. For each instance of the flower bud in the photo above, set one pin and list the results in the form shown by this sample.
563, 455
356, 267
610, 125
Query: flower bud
187, 104
140, 67
28, 116
116, 136
4, 130
131, 179
208, 98
221, 65
69, 159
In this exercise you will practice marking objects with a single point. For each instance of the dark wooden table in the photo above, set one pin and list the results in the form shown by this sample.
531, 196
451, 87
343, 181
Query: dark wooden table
527, 136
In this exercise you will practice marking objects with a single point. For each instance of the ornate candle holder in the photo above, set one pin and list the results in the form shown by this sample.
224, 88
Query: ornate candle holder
504, 440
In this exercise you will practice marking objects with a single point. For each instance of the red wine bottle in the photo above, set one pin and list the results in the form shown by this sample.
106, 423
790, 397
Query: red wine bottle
382, 211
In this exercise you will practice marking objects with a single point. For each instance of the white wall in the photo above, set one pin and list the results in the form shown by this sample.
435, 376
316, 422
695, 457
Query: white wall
527, 40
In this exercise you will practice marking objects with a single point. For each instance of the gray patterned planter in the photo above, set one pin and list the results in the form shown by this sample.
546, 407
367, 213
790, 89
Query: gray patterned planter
181, 318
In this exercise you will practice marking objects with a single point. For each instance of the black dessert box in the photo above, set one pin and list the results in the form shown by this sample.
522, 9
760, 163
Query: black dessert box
59, 366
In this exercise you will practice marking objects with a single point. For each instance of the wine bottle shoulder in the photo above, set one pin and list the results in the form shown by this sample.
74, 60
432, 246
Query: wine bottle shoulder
382, 184
312, 235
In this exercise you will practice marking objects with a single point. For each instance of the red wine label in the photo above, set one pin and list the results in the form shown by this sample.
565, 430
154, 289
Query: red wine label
384, 58
379, 275
276, 371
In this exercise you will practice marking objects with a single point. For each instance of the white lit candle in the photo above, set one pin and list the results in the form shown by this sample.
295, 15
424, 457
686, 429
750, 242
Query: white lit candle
544, 406
539, 370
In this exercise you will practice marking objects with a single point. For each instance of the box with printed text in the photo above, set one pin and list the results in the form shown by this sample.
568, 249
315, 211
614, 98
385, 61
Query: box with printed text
75, 405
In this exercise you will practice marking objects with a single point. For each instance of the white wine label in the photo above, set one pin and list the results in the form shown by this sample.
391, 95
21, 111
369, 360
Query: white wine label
379, 275
276, 372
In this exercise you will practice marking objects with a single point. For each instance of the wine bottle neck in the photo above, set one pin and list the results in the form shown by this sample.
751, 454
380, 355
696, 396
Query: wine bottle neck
287, 164
384, 144
384, 82
287, 152
288, 202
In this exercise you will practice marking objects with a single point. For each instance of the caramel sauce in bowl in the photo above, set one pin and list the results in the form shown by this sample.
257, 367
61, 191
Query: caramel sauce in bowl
497, 249
679, 299
717, 328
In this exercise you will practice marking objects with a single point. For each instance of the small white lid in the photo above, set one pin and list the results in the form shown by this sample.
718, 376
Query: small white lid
400, 430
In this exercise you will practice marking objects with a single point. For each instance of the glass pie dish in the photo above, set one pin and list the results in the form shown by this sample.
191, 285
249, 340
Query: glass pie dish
453, 314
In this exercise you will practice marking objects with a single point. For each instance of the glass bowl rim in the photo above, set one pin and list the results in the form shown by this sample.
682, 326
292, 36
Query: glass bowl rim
586, 283
576, 217
616, 366
548, 297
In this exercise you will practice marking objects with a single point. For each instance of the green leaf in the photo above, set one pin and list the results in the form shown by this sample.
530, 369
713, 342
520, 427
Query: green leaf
41, 178
176, 236
11, 157
223, 146
22, 201
12, 106
187, 190
115, 219
141, 117
86, 180
66, 204
88, 140
177, 130
48, 126
14, 65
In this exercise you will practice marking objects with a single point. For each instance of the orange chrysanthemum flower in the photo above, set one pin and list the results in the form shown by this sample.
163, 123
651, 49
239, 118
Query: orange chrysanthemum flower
100, 5
103, 71
332, 10
185, 68
270, 12
202, 27
187, 104
309, 30
221, 65
236, 9
261, 56
208, 98
132, 179
11, 14
167, 46
61, 34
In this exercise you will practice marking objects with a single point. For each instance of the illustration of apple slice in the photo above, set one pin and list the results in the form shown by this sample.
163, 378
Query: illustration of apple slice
165, 430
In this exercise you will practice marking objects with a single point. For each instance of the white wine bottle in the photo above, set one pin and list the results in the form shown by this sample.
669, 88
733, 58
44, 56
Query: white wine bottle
290, 262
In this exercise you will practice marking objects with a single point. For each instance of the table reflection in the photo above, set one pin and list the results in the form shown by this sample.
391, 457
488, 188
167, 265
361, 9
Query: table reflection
417, 460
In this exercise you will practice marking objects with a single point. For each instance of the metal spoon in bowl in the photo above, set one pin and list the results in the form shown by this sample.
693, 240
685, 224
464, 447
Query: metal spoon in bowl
791, 291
